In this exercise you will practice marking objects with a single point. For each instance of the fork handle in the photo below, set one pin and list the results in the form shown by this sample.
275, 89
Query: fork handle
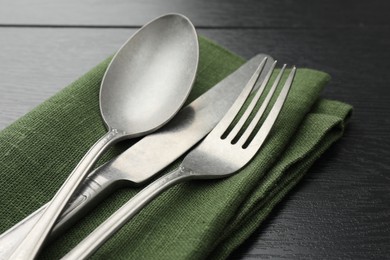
109, 227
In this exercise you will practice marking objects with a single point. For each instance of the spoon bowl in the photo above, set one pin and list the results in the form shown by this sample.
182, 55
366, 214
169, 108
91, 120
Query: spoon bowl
144, 86
148, 78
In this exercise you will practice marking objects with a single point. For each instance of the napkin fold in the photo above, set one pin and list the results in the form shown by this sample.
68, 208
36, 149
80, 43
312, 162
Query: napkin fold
193, 220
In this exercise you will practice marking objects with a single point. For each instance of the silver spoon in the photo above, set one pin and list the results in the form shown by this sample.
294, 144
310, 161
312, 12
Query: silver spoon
144, 86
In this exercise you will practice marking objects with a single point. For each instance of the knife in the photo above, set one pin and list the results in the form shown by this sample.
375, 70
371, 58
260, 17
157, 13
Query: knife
146, 157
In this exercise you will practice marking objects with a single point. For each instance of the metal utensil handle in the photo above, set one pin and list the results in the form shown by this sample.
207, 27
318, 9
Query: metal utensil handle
109, 227
94, 189
34, 240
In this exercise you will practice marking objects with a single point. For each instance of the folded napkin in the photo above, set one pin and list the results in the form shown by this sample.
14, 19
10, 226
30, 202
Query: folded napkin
193, 220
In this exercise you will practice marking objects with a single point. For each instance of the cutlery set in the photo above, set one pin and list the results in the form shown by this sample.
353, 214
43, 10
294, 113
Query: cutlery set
142, 91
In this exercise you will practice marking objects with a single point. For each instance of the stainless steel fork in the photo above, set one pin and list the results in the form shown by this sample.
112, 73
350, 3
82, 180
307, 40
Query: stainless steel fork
221, 154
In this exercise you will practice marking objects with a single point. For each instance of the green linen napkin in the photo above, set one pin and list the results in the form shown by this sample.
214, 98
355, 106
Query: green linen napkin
193, 220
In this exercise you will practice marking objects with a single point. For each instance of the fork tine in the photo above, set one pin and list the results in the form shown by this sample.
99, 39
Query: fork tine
233, 111
264, 130
251, 106
244, 137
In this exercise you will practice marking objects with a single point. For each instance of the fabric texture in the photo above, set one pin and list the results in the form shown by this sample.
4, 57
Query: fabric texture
193, 220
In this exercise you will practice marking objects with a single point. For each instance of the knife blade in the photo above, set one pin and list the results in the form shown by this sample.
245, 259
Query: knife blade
148, 156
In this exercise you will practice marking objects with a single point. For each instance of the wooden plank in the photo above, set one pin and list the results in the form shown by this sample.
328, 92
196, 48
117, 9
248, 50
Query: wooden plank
204, 13
37, 63
341, 208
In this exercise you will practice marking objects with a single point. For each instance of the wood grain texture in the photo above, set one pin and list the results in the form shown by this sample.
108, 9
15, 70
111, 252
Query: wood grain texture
37, 63
341, 208
204, 13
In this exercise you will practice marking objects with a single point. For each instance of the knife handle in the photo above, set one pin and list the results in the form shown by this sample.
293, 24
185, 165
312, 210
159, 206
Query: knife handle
95, 188
120, 217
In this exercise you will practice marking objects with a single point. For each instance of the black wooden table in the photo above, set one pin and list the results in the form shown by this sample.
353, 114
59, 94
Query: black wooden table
342, 207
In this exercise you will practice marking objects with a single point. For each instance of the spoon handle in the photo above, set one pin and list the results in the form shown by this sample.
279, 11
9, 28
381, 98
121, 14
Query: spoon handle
109, 227
32, 243
95, 188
